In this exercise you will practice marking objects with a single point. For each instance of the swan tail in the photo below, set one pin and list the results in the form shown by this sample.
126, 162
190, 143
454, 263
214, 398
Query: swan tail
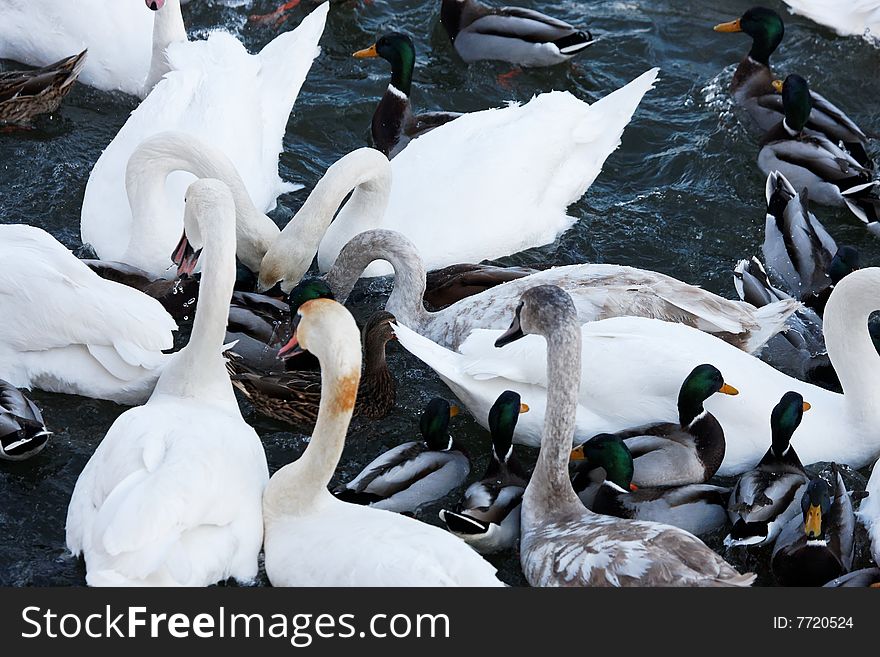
771, 319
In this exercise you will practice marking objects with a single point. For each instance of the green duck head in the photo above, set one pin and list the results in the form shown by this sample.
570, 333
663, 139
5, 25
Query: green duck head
612, 455
764, 26
796, 101
785, 418
398, 50
844, 262
502, 422
306, 290
815, 504
703, 382
434, 424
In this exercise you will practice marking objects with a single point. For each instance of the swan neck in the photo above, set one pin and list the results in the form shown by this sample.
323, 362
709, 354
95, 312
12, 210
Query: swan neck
849, 344
168, 28
406, 301
199, 369
550, 488
296, 487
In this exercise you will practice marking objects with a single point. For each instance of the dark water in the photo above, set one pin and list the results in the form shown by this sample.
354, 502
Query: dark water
682, 195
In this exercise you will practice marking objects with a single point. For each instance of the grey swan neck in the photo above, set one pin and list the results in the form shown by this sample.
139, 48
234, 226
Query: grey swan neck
550, 491
406, 301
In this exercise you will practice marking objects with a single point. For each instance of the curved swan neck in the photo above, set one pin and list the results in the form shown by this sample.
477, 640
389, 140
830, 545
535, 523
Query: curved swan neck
366, 172
199, 369
406, 301
549, 489
168, 28
296, 487
849, 343
145, 175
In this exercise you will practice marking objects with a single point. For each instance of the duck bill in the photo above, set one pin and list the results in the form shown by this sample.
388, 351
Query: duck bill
728, 389
291, 349
523, 408
777, 86
366, 53
577, 454
730, 26
813, 522
807, 406
512, 334
185, 257
453, 411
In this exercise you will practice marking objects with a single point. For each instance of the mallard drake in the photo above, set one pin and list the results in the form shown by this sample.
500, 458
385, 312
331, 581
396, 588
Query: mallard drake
689, 452
487, 518
561, 542
695, 508
314, 539
766, 498
855, 17
23, 432
415, 473
752, 86
830, 174
817, 546
510, 34
394, 123
293, 396
25, 95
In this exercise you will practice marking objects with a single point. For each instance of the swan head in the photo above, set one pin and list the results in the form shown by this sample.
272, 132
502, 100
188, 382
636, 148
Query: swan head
327, 330
283, 267
205, 198
541, 311
155, 5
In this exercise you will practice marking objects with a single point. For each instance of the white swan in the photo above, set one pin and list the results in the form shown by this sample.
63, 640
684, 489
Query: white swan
65, 329
561, 542
147, 240
313, 539
853, 17
172, 495
126, 41
599, 291
495, 182
633, 368
238, 102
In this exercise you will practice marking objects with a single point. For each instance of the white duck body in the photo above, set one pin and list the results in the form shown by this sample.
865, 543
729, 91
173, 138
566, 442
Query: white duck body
126, 41
172, 495
854, 17
313, 539
497, 181
216, 91
663, 354
599, 291
67, 330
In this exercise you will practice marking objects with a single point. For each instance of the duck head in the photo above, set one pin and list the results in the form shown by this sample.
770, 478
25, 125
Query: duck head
502, 422
434, 424
784, 419
398, 50
796, 102
307, 290
815, 504
608, 459
703, 382
844, 262
764, 26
